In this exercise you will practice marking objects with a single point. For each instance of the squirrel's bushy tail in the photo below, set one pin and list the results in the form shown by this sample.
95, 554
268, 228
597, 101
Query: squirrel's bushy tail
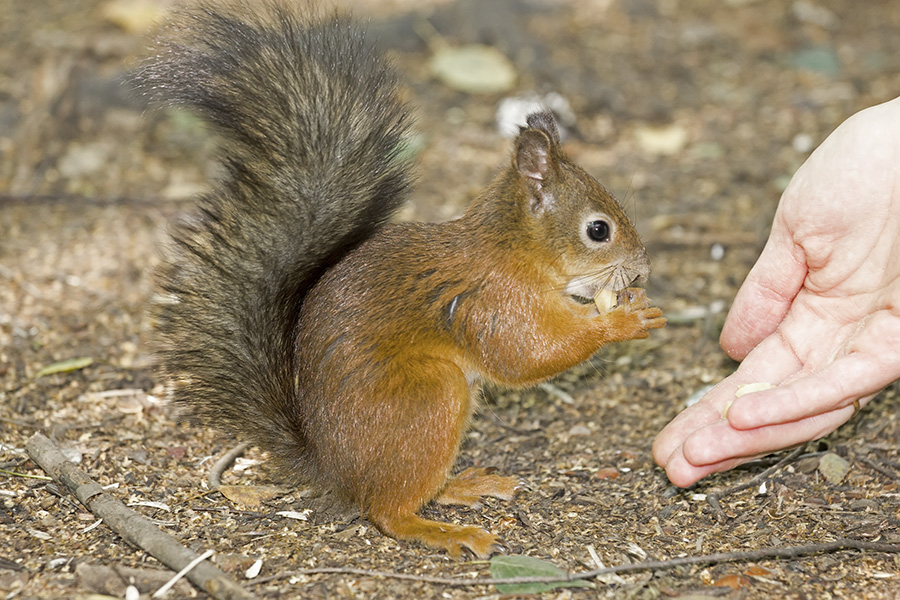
312, 129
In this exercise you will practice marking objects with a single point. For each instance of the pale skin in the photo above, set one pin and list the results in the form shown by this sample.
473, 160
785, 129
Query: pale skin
819, 314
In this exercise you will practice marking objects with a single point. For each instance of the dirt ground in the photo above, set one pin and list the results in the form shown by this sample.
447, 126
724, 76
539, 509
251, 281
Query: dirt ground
695, 113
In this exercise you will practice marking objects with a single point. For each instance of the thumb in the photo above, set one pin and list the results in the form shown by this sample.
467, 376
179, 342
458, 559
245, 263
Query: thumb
766, 294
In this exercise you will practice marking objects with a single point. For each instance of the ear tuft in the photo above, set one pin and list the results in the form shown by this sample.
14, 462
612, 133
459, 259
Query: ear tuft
544, 121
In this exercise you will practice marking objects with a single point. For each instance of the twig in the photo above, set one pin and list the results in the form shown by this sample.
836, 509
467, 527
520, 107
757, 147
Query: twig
161, 592
656, 565
877, 467
713, 498
215, 474
18, 422
26, 475
77, 200
558, 392
130, 525
31, 290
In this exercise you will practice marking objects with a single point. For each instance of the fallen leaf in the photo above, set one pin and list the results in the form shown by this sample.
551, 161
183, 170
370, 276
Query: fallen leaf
807, 465
151, 504
580, 430
293, 514
607, 473
757, 571
254, 569
250, 495
65, 366
833, 467
516, 565
41, 535
734, 582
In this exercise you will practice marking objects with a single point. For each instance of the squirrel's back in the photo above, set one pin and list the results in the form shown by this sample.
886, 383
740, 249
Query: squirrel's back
312, 132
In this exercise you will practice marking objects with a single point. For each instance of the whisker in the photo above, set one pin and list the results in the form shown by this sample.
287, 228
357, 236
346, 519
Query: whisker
603, 277
604, 273
629, 196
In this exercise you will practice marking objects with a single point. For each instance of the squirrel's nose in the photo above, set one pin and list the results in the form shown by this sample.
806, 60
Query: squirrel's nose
639, 266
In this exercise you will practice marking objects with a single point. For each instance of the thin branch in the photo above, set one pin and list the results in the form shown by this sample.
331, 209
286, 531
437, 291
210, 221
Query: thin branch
77, 199
18, 422
162, 591
877, 467
28, 288
557, 392
714, 497
131, 526
215, 474
26, 475
656, 565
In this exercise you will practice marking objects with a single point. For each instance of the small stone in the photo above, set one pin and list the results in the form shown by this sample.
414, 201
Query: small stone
133, 16
665, 140
833, 467
474, 69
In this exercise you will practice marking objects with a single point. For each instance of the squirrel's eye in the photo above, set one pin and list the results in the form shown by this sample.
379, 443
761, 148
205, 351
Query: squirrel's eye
598, 231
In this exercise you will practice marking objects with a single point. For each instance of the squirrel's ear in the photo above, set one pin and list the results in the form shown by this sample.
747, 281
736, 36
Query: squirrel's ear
534, 162
545, 122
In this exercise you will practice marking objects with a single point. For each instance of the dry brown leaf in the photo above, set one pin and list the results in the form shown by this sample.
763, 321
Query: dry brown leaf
607, 473
251, 495
833, 467
734, 582
757, 571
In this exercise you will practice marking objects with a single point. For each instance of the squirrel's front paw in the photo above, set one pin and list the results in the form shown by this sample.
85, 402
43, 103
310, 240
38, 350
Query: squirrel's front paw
632, 299
636, 305
652, 318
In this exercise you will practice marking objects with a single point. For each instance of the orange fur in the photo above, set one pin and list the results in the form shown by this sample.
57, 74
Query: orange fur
396, 338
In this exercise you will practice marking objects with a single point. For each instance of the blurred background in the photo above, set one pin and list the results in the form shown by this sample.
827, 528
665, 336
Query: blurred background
695, 113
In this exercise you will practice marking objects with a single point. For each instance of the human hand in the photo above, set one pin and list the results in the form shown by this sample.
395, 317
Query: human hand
819, 313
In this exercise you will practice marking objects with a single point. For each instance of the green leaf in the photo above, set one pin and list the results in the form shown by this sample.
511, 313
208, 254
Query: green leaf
503, 567
64, 366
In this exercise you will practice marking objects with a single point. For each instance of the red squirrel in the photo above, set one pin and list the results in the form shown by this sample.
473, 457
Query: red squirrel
294, 316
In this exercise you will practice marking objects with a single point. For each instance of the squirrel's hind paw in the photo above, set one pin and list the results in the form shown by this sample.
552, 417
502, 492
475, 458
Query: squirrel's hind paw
454, 539
467, 488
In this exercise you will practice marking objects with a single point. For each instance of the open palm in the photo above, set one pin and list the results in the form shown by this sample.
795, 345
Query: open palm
819, 313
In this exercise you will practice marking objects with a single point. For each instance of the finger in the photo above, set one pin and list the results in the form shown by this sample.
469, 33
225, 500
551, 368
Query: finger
766, 294
705, 412
719, 448
683, 474
721, 442
772, 361
839, 385
872, 363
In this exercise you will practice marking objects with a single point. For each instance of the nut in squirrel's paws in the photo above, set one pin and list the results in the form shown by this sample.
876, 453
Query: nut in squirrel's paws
631, 298
606, 300
635, 307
